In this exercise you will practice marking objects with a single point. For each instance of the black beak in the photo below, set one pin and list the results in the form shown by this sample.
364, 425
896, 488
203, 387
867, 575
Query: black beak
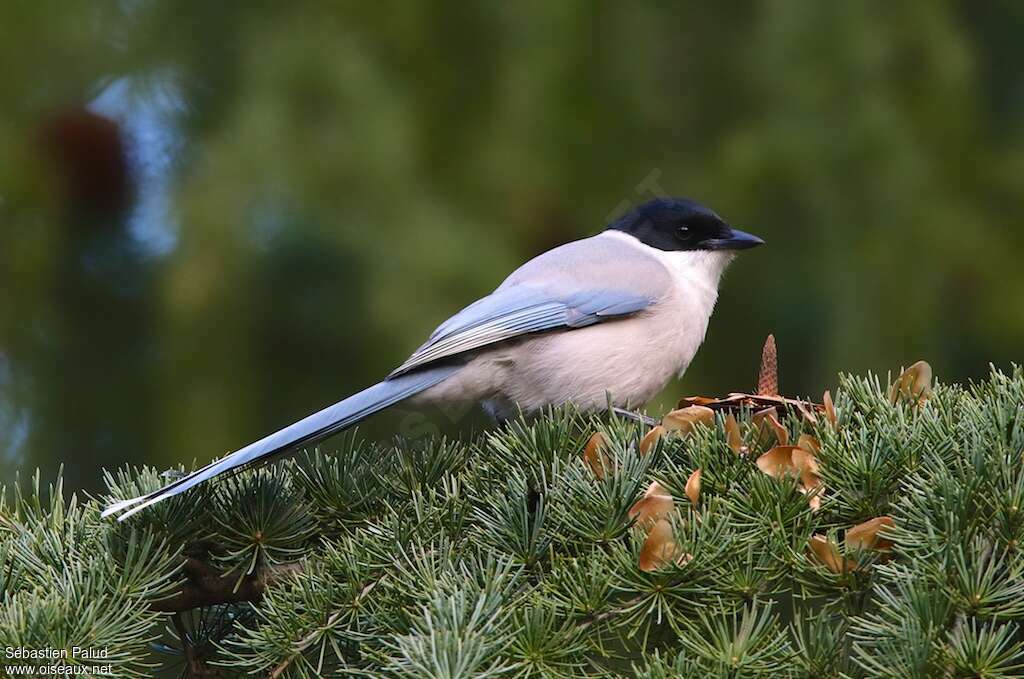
737, 240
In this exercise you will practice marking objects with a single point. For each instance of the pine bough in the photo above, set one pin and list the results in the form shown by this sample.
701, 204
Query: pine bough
508, 556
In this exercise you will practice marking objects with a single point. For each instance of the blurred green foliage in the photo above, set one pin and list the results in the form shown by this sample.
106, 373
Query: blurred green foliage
315, 185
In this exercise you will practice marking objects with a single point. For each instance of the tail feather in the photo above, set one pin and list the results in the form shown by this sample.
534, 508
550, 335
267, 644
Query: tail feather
307, 431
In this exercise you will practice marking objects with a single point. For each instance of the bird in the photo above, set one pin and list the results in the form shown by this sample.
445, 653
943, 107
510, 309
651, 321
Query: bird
602, 321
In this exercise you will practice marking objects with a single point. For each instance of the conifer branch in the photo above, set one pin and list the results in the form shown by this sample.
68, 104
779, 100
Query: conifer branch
206, 586
879, 540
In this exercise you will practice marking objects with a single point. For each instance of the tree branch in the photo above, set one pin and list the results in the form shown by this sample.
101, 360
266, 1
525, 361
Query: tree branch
205, 586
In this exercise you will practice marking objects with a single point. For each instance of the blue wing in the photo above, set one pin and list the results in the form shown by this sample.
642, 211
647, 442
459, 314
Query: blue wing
518, 310
505, 314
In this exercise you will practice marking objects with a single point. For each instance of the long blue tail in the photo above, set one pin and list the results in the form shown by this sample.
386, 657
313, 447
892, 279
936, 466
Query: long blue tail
307, 431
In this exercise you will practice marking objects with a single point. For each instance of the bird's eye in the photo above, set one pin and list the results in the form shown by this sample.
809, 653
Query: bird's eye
683, 231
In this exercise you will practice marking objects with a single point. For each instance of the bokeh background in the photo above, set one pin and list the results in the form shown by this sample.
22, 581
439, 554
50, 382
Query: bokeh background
217, 217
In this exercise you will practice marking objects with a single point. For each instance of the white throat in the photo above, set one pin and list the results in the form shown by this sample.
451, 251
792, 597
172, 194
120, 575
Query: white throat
702, 269
695, 269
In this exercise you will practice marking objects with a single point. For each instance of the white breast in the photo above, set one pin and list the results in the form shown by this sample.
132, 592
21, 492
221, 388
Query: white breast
683, 318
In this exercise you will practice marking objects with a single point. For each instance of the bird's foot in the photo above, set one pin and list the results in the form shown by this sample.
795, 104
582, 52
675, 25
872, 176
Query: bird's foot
635, 416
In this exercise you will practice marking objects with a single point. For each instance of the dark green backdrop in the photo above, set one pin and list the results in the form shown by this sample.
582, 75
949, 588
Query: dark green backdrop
311, 186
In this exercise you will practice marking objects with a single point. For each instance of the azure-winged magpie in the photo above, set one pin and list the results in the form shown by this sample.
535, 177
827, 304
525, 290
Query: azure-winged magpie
611, 317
